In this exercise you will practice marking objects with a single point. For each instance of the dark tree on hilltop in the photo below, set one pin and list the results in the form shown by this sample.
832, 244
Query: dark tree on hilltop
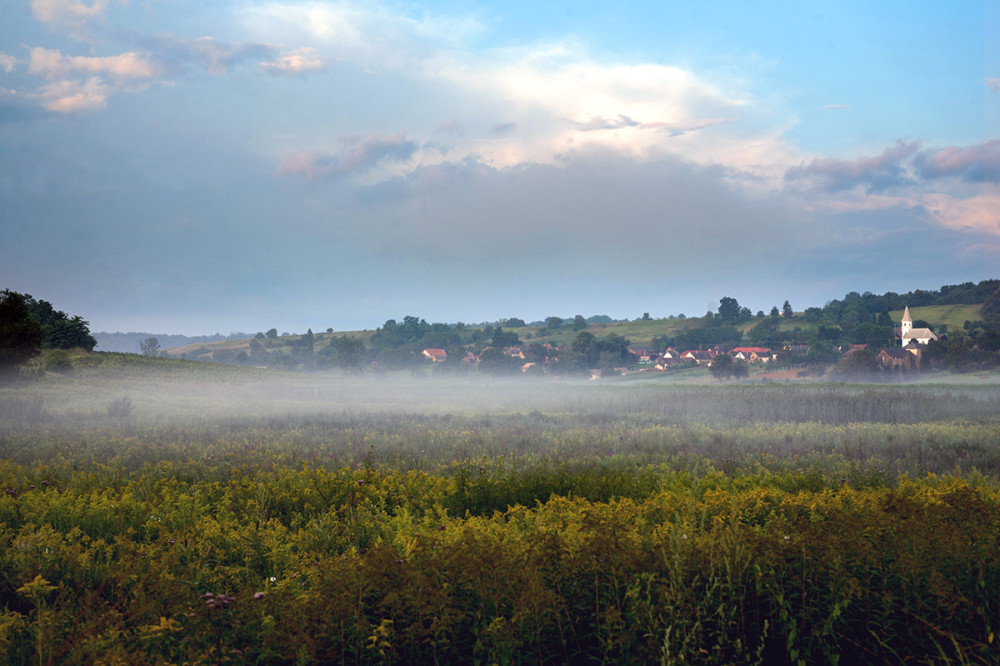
20, 335
59, 330
729, 310
786, 310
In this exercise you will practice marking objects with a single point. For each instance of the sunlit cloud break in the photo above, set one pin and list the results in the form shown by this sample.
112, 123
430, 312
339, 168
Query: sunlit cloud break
302, 60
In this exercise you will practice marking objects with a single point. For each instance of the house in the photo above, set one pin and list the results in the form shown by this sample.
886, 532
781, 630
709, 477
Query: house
895, 358
435, 355
752, 354
699, 357
645, 356
907, 334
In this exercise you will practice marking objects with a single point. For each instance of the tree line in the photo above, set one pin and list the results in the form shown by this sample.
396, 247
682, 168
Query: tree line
27, 326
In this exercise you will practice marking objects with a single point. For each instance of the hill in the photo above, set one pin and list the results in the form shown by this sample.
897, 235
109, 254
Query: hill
129, 342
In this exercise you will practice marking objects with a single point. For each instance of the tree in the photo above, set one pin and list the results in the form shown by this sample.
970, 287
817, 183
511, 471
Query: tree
729, 310
646, 317
59, 330
513, 322
579, 323
257, 353
786, 310
583, 342
856, 365
149, 347
991, 308
346, 352
502, 338
722, 366
308, 346
20, 335
272, 334
553, 322
495, 362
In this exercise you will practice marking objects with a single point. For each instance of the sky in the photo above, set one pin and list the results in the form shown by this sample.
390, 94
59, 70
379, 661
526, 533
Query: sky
191, 167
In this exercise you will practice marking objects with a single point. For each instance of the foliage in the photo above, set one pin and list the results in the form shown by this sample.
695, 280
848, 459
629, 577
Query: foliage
494, 361
991, 308
59, 330
20, 335
725, 366
149, 347
345, 352
858, 365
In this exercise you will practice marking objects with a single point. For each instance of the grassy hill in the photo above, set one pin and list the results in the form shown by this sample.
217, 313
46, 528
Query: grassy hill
952, 316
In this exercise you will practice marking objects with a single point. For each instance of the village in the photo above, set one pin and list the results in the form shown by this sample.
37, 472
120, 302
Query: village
907, 354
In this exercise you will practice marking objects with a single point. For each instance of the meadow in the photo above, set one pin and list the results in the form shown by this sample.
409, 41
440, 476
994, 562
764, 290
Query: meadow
168, 512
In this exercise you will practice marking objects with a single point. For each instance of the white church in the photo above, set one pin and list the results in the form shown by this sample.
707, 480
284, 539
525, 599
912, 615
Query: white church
913, 336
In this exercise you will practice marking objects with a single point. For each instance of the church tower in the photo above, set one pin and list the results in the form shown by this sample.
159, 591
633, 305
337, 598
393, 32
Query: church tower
906, 325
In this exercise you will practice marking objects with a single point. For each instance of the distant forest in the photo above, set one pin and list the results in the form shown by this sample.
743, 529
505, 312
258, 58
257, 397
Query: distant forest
129, 342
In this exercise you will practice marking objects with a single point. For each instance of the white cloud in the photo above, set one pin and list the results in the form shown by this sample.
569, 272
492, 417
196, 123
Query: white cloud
558, 97
7, 62
979, 213
71, 16
306, 59
61, 11
72, 96
53, 65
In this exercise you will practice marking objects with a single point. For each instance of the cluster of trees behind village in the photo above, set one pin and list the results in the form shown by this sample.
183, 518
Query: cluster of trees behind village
815, 336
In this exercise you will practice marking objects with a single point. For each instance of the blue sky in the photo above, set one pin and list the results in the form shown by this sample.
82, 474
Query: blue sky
188, 167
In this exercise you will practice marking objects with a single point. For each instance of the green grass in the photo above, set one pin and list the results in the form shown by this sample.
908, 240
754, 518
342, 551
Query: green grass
954, 316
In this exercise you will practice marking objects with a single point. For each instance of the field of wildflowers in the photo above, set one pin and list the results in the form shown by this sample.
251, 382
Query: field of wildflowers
323, 522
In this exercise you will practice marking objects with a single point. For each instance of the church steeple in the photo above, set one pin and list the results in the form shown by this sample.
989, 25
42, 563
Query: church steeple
906, 325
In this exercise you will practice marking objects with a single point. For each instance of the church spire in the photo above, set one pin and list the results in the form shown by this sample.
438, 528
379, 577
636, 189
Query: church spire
906, 325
